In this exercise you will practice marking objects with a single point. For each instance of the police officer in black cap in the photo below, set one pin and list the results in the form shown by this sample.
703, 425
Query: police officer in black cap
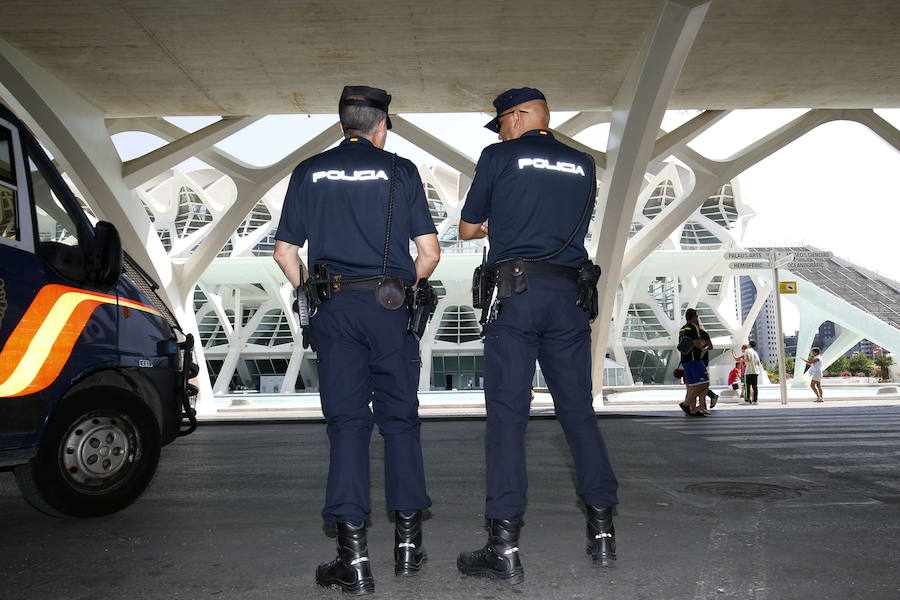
358, 206
536, 194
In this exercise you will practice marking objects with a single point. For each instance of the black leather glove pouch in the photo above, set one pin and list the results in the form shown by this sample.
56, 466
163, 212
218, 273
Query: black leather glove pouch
512, 279
390, 293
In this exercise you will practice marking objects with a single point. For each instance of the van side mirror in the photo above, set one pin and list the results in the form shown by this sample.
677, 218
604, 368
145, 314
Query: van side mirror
107, 260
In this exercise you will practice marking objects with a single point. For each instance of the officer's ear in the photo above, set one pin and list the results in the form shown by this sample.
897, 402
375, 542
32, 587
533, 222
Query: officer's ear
380, 135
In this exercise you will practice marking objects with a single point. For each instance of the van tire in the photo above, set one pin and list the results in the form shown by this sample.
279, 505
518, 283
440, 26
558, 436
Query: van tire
98, 454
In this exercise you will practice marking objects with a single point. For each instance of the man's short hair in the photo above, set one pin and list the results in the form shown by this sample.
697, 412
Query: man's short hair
753, 343
360, 120
544, 110
690, 314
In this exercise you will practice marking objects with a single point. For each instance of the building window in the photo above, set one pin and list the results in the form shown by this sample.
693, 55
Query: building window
641, 323
662, 196
458, 325
192, 213
720, 207
457, 372
273, 329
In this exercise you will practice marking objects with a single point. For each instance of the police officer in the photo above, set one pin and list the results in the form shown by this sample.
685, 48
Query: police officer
344, 202
536, 195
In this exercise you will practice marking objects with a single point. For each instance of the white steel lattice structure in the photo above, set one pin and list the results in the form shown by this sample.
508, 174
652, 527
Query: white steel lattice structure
247, 334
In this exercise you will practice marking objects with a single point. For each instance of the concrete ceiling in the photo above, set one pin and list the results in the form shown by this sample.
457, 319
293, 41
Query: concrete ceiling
239, 57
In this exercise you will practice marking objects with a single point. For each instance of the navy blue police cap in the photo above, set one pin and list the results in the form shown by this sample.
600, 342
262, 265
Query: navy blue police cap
510, 98
368, 96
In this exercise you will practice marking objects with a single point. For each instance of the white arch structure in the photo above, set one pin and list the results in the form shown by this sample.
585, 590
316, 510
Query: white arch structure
78, 135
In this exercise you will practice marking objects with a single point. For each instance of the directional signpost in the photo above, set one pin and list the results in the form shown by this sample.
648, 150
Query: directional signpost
775, 259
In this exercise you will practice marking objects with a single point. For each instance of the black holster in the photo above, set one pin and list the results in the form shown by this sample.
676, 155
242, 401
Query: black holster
422, 303
318, 286
587, 298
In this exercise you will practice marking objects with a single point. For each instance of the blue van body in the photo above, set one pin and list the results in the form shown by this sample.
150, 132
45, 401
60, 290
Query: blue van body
72, 328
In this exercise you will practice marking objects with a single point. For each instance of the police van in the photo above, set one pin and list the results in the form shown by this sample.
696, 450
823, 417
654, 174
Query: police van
93, 367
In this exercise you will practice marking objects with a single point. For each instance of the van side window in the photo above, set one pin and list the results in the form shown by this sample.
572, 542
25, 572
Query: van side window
53, 222
57, 233
9, 218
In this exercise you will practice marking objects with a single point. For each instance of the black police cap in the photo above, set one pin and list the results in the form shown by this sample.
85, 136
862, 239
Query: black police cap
510, 98
369, 96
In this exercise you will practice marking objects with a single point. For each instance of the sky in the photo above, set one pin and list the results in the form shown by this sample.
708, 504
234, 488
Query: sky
833, 188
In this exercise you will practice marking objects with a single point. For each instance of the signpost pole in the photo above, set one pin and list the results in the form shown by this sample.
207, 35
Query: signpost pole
779, 334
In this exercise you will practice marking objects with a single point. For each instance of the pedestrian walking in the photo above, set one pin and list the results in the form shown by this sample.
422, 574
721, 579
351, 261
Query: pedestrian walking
754, 370
694, 344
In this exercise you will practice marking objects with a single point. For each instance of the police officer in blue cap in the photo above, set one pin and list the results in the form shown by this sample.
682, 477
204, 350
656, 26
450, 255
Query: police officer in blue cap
358, 206
537, 291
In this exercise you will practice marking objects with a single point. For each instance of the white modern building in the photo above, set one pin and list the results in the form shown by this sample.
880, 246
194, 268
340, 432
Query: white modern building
249, 336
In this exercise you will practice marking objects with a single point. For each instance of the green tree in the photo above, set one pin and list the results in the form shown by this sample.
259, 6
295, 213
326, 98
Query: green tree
772, 372
884, 362
860, 363
839, 366
789, 365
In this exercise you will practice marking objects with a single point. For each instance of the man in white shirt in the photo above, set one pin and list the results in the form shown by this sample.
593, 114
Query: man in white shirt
754, 370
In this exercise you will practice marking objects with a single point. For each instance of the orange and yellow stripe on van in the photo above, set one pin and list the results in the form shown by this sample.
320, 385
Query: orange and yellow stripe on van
40, 345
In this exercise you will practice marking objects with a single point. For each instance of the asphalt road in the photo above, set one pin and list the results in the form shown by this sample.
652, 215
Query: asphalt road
777, 504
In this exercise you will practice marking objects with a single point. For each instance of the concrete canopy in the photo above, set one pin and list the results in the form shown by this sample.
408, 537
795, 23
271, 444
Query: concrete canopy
181, 57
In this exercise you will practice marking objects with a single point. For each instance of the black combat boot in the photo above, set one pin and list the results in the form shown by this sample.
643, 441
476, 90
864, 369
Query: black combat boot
499, 559
601, 536
409, 554
350, 570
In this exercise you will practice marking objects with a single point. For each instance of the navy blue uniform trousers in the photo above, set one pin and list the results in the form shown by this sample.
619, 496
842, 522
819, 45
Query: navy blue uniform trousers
542, 324
365, 355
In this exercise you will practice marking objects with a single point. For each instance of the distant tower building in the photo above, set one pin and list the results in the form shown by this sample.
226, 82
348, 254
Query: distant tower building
828, 332
764, 330
790, 345
867, 348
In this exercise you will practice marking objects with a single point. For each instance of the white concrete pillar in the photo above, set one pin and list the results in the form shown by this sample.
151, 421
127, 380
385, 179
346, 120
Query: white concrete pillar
288, 386
844, 341
809, 326
637, 113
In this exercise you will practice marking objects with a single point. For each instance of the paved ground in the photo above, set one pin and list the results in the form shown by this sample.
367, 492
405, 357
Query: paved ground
775, 504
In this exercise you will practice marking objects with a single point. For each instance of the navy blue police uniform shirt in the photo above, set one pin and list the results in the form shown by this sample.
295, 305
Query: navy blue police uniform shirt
532, 190
338, 201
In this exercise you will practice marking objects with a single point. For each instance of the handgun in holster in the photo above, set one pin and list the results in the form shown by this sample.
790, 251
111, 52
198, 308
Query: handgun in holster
318, 286
422, 303
587, 297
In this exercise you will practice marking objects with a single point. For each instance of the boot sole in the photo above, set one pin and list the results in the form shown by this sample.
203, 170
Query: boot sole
362, 588
410, 570
508, 578
598, 561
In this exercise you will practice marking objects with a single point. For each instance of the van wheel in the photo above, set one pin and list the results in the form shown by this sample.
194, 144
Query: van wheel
98, 454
